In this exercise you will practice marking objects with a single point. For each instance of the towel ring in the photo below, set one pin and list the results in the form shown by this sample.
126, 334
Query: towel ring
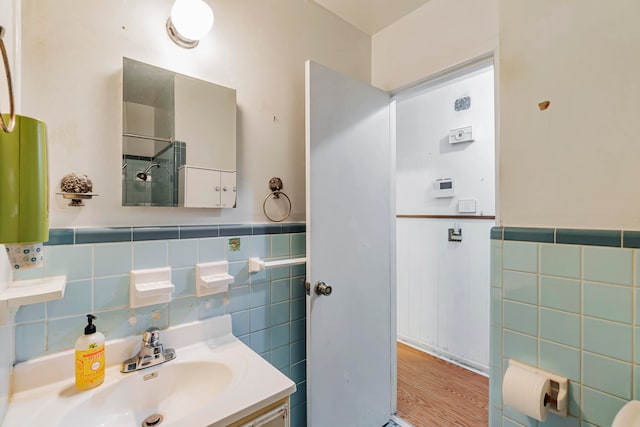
275, 185
12, 113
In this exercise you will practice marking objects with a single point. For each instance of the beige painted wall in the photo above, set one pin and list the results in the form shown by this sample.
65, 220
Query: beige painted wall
72, 60
575, 164
437, 36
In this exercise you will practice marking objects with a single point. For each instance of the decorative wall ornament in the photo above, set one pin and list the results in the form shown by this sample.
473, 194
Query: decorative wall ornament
76, 187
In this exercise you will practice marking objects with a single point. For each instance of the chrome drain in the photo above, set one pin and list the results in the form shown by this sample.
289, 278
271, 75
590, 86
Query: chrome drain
152, 420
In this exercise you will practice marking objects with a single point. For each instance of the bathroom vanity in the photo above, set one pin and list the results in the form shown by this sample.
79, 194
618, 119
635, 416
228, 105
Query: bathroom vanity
215, 381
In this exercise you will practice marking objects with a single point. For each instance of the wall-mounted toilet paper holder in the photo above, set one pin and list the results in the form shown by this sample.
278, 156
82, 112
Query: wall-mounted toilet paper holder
558, 400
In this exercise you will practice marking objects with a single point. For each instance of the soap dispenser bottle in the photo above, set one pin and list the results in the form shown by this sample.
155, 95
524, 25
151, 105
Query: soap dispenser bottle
89, 357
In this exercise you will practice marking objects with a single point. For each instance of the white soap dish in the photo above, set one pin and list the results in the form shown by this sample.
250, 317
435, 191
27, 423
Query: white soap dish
212, 278
150, 286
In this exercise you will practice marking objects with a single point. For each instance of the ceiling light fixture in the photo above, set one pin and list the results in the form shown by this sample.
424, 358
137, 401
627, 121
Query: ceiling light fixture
190, 20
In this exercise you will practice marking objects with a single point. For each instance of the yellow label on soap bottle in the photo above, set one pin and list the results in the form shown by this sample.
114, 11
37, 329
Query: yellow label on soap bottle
90, 367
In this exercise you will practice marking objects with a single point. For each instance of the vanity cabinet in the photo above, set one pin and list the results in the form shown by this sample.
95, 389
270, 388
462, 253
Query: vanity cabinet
206, 188
274, 415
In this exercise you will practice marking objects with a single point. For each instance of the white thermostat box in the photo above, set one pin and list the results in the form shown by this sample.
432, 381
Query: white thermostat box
461, 135
467, 206
443, 187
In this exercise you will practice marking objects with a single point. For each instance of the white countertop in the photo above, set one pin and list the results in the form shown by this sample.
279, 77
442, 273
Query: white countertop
44, 391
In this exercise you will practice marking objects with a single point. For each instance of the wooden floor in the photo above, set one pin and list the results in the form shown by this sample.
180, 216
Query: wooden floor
432, 392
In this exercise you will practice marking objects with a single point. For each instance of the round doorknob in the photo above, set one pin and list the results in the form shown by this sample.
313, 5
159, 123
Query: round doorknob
323, 289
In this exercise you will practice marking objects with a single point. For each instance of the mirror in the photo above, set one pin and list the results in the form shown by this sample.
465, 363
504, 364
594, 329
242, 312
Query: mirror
178, 139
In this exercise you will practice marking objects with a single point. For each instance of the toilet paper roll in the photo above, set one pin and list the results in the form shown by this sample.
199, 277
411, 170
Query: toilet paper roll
27, 256
525, 392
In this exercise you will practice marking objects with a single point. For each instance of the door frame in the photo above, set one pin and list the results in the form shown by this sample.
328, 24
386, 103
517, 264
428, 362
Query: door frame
490, 57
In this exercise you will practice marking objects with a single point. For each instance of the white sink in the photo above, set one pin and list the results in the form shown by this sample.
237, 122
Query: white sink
173, 390
213, 382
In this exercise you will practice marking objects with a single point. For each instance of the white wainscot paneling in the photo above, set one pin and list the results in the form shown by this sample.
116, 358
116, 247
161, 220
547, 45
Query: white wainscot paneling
443, 288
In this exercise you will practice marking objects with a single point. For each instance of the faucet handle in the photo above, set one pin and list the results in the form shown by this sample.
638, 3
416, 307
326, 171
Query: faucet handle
151, 336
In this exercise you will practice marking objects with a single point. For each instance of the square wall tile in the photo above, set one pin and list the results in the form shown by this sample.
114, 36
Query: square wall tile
522, 348
298, 351
609, 265
110, 292
496, 266
495, 387
298, 330
280, 313
184, 310
238, 299
636, 382
561, 294
77, 300
183, 253
260, 341
495, 351
280, 245
600, 408
260, 246
112, 259
241, 323
281, 357
260, 295
184, 280
30, 341
299, 372
212, 306
298, 244
607, 375
150, 255
116, 323
607, 338
74, 261
280, 335
574, 398
259, 318
212, 249
521, 317
298, 289
280, 290
560, 360
496, 307
30, 313
63, 333
560, 327
520, 256
560, 260
520, 287
153, 315
608, 302
518, 418
240, 272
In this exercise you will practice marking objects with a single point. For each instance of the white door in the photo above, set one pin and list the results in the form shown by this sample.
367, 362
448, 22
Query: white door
350, 246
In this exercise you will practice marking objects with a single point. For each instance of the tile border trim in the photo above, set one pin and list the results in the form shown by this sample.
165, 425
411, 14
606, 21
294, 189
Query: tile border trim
607, 238
76, 236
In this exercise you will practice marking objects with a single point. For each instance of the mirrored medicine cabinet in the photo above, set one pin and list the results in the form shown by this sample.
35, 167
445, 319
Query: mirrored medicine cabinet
178, 139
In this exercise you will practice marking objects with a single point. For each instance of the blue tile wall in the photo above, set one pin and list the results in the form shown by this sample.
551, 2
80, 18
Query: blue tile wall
569, 305
267, 308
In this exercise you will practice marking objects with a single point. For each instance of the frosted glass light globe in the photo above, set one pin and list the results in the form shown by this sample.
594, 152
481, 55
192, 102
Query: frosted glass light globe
192, 19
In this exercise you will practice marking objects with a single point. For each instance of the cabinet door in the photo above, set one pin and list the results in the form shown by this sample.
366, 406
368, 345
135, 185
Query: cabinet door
202, 188
228, 189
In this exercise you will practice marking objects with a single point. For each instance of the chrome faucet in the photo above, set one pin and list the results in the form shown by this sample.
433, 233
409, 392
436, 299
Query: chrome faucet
151, 353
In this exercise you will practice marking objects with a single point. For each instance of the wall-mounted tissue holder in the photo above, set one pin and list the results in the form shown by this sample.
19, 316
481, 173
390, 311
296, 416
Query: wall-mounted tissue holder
256, 264
534, 392
151, 286
212, 278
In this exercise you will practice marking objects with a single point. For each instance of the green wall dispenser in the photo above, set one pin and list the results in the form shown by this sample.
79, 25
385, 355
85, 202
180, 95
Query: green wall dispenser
24, 183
